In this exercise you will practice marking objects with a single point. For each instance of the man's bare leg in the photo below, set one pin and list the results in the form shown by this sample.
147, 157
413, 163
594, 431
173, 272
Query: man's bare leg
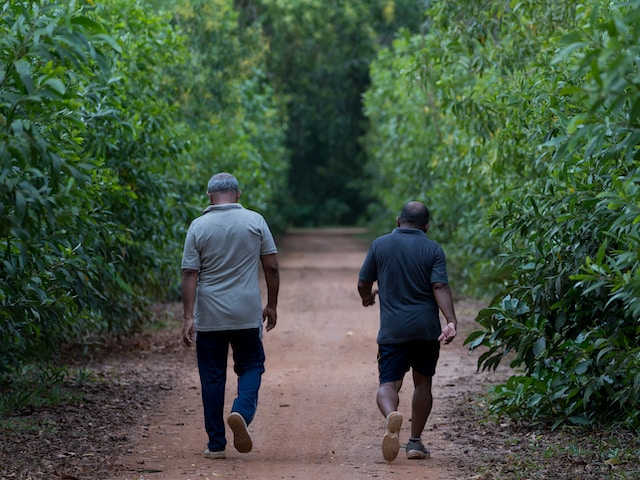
421, 403
388, 398
420, 409
388, 401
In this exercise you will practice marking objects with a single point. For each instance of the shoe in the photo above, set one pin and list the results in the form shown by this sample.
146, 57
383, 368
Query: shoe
391, 440
416, 450
214, 455
241, 438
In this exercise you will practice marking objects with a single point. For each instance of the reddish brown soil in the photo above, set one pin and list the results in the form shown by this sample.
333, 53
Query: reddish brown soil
317, 418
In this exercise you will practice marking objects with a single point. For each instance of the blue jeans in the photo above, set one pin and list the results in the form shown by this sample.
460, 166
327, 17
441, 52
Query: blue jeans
212, 349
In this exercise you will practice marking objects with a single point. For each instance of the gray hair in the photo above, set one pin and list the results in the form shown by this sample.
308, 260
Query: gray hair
223, 182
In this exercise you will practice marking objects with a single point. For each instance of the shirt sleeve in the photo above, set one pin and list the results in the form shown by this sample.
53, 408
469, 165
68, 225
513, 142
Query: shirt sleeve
439, 271
190, 254
369, 270
268, 244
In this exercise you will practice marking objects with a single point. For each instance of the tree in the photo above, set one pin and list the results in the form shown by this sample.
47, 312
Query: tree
570, 311
105, 159
319, 55
505, 128
82, 162
232, 116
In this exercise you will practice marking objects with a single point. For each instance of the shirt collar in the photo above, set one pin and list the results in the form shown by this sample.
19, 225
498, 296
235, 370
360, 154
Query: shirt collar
415, 231
221, 206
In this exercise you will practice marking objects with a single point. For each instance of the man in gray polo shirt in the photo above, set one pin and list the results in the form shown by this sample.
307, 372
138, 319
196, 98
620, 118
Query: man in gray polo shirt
412, 283
223, 306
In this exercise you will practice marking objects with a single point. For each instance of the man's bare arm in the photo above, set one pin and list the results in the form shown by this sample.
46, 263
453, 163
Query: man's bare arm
272, 278
444, 299
188, 289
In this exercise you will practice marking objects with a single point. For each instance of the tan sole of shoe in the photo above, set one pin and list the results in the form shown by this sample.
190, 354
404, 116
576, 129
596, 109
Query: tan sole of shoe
391, 439
241, 438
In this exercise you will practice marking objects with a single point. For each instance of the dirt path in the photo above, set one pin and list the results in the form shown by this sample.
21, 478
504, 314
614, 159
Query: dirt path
317, 417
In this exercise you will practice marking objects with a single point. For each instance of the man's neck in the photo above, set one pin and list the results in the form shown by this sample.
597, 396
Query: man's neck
222, 198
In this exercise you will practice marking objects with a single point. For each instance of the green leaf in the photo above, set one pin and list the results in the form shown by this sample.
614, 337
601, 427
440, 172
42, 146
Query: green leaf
582, 367
24, 73
475, 339
580, 420
87, 23
576, 122
21, 207
56, 85
109, 41
540, 346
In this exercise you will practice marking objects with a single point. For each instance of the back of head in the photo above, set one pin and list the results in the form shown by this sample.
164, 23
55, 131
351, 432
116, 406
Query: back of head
223, 182
414, 215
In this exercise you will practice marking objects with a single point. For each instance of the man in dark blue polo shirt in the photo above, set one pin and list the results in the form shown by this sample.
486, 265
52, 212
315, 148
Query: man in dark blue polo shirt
411, 273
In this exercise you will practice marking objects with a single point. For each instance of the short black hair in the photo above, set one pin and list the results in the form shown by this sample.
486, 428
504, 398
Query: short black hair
415, 213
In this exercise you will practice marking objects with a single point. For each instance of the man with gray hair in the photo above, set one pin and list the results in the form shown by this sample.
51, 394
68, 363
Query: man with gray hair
223, 307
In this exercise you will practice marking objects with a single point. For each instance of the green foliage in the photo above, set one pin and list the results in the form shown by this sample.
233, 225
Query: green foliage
132, 130
454, 113
521, 119
45, 182
234, 120
517, 453
315, 64
104, 157
318, 58
571, 238
36, 386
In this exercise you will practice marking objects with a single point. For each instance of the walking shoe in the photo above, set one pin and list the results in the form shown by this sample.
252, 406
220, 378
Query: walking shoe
391, 440
214, 455
241, 438
416, 450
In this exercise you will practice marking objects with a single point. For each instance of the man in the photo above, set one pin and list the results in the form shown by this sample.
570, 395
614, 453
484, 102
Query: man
223, 306
412, 284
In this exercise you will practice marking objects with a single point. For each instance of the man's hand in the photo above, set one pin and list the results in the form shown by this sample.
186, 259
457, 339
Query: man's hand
188, 331
448, 333
371, 299
367, 292
270, 315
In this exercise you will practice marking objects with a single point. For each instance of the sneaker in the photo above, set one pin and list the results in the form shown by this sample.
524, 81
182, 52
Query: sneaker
214, 455
391, 440
241, 438
416, 450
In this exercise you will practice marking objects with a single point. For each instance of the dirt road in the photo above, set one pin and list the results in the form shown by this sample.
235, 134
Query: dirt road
317, 417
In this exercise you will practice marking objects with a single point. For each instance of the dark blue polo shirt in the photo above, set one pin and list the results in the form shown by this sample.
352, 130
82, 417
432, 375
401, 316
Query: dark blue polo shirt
405, 263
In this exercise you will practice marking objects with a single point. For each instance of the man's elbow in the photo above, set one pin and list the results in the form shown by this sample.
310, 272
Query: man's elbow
272, 269
188, 274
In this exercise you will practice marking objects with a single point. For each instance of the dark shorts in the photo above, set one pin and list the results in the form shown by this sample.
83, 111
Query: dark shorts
395, 359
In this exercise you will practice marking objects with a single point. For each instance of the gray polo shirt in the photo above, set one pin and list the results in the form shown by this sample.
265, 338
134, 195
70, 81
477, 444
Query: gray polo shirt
224, 245
405, 263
